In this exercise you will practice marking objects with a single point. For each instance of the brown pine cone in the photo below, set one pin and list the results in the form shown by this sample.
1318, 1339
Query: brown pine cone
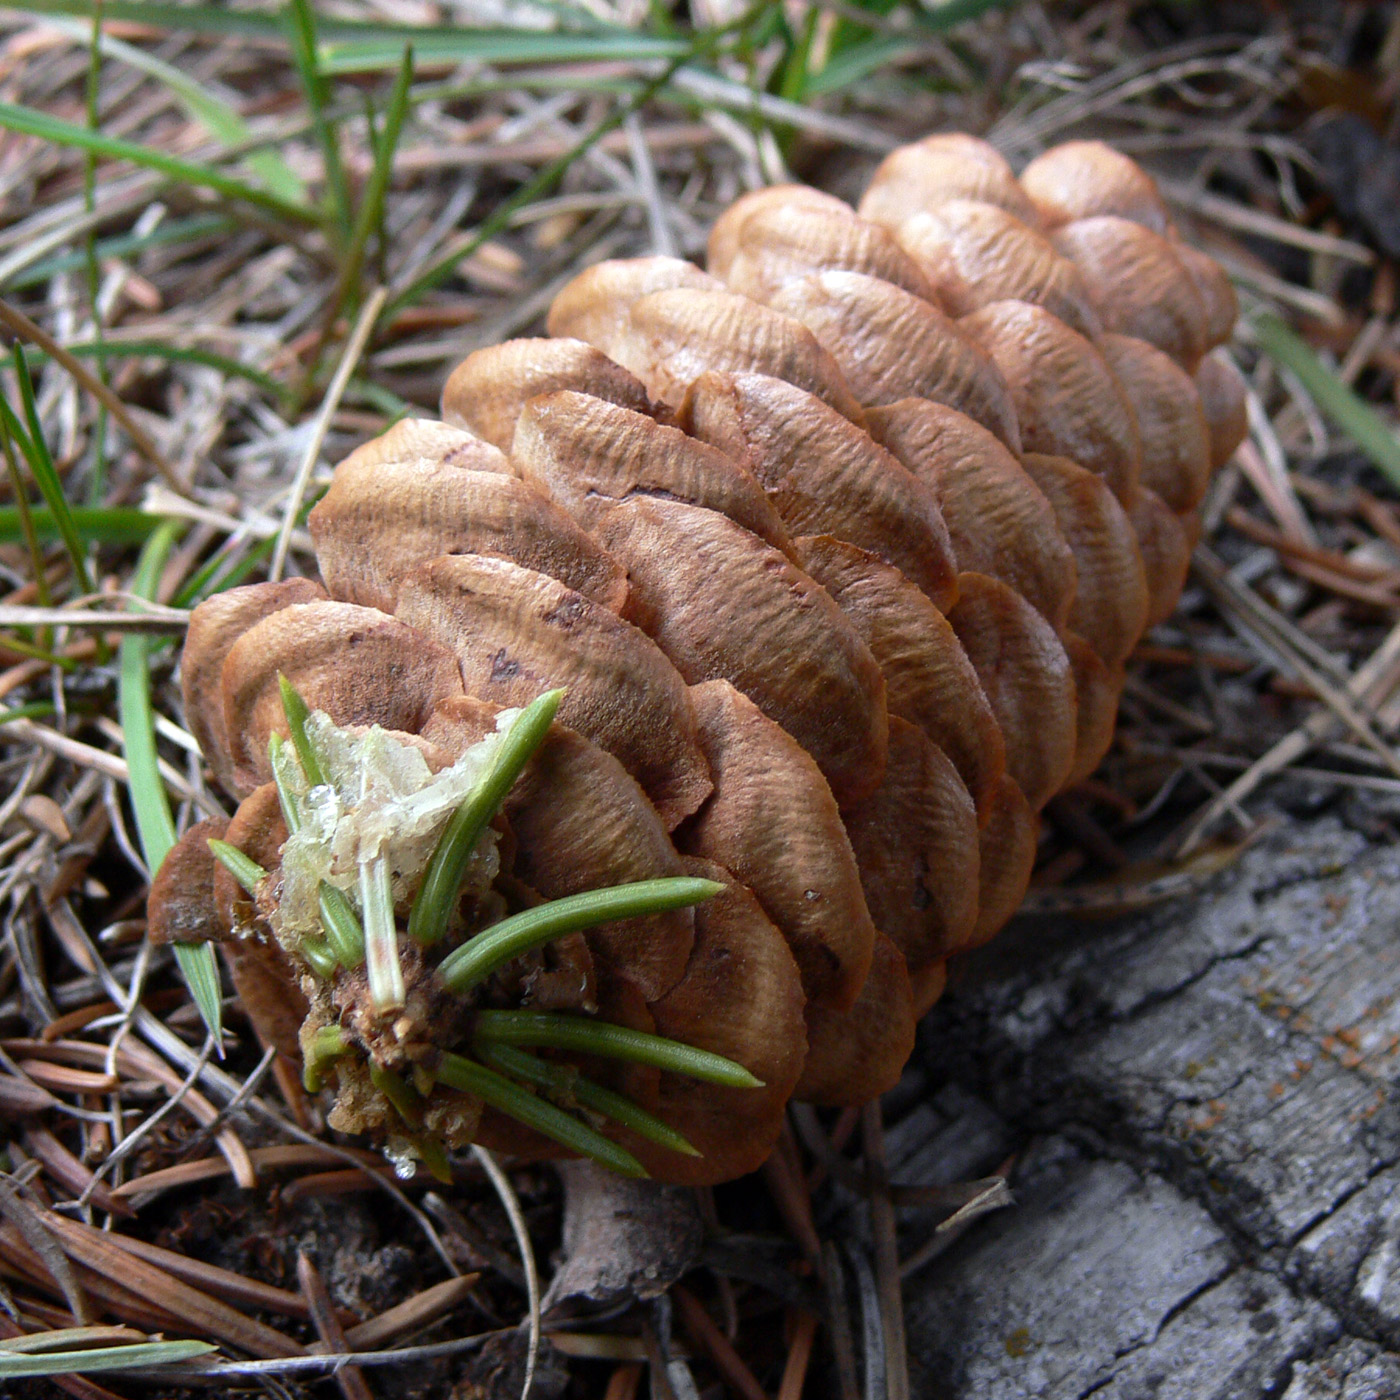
837, 550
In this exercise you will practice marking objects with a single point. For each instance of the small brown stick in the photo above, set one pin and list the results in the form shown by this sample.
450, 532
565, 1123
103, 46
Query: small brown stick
350, 1379
804, 1333
359, 337
713, 1342
72, 1021
788, 1187
146, 1188
1245, 524
1069, 814
138, 1062
994, 1196
1280, 636
886, 1252
346, 1181
661, 1388
22, 326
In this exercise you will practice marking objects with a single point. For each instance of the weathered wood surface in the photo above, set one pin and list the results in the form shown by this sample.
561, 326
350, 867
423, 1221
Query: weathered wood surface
1203, 1100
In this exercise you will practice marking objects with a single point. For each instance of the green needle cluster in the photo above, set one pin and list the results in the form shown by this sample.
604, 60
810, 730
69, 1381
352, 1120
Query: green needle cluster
539, 1093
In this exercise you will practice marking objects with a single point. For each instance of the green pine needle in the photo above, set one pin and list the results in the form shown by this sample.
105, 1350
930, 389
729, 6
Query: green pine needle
437, 896
285, 800
560, 1031
297, 713
565, 1081
402, 1095
326, 1046
319, 957
381, 938
457, 1072
244, 869
343, 931
492, 948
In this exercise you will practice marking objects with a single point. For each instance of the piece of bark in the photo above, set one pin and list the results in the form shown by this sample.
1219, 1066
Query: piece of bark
1226, 1216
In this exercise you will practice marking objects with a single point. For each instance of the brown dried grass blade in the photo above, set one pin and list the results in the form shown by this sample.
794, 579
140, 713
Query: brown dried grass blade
71, 1174
142, 1190
350, 1379
1373, 684
412, 1315
30, 1224
232, 1288
716, 1345
196, 1312
1280, 636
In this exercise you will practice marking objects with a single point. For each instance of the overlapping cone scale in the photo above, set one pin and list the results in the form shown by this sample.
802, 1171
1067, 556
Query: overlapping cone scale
837, 549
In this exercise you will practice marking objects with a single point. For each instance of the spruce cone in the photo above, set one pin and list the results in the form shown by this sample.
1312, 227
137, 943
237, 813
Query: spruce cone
837, 550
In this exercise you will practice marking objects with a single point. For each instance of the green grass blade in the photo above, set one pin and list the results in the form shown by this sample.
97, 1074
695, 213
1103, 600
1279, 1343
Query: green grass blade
558, 1031
24, 516
535, 188
123, 525
1334, 397
27, 121
155, 826
265, 23
499, 46
219, 573
45, 473
301, 26
492, 948
200, 968
457, 1072
121, 245
38, 709
173, 354
218, 118
371, 210
432, 908
97, 481
563, 1080
95, 1359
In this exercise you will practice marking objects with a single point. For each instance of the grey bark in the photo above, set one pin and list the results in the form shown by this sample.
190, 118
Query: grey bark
1202, 1099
